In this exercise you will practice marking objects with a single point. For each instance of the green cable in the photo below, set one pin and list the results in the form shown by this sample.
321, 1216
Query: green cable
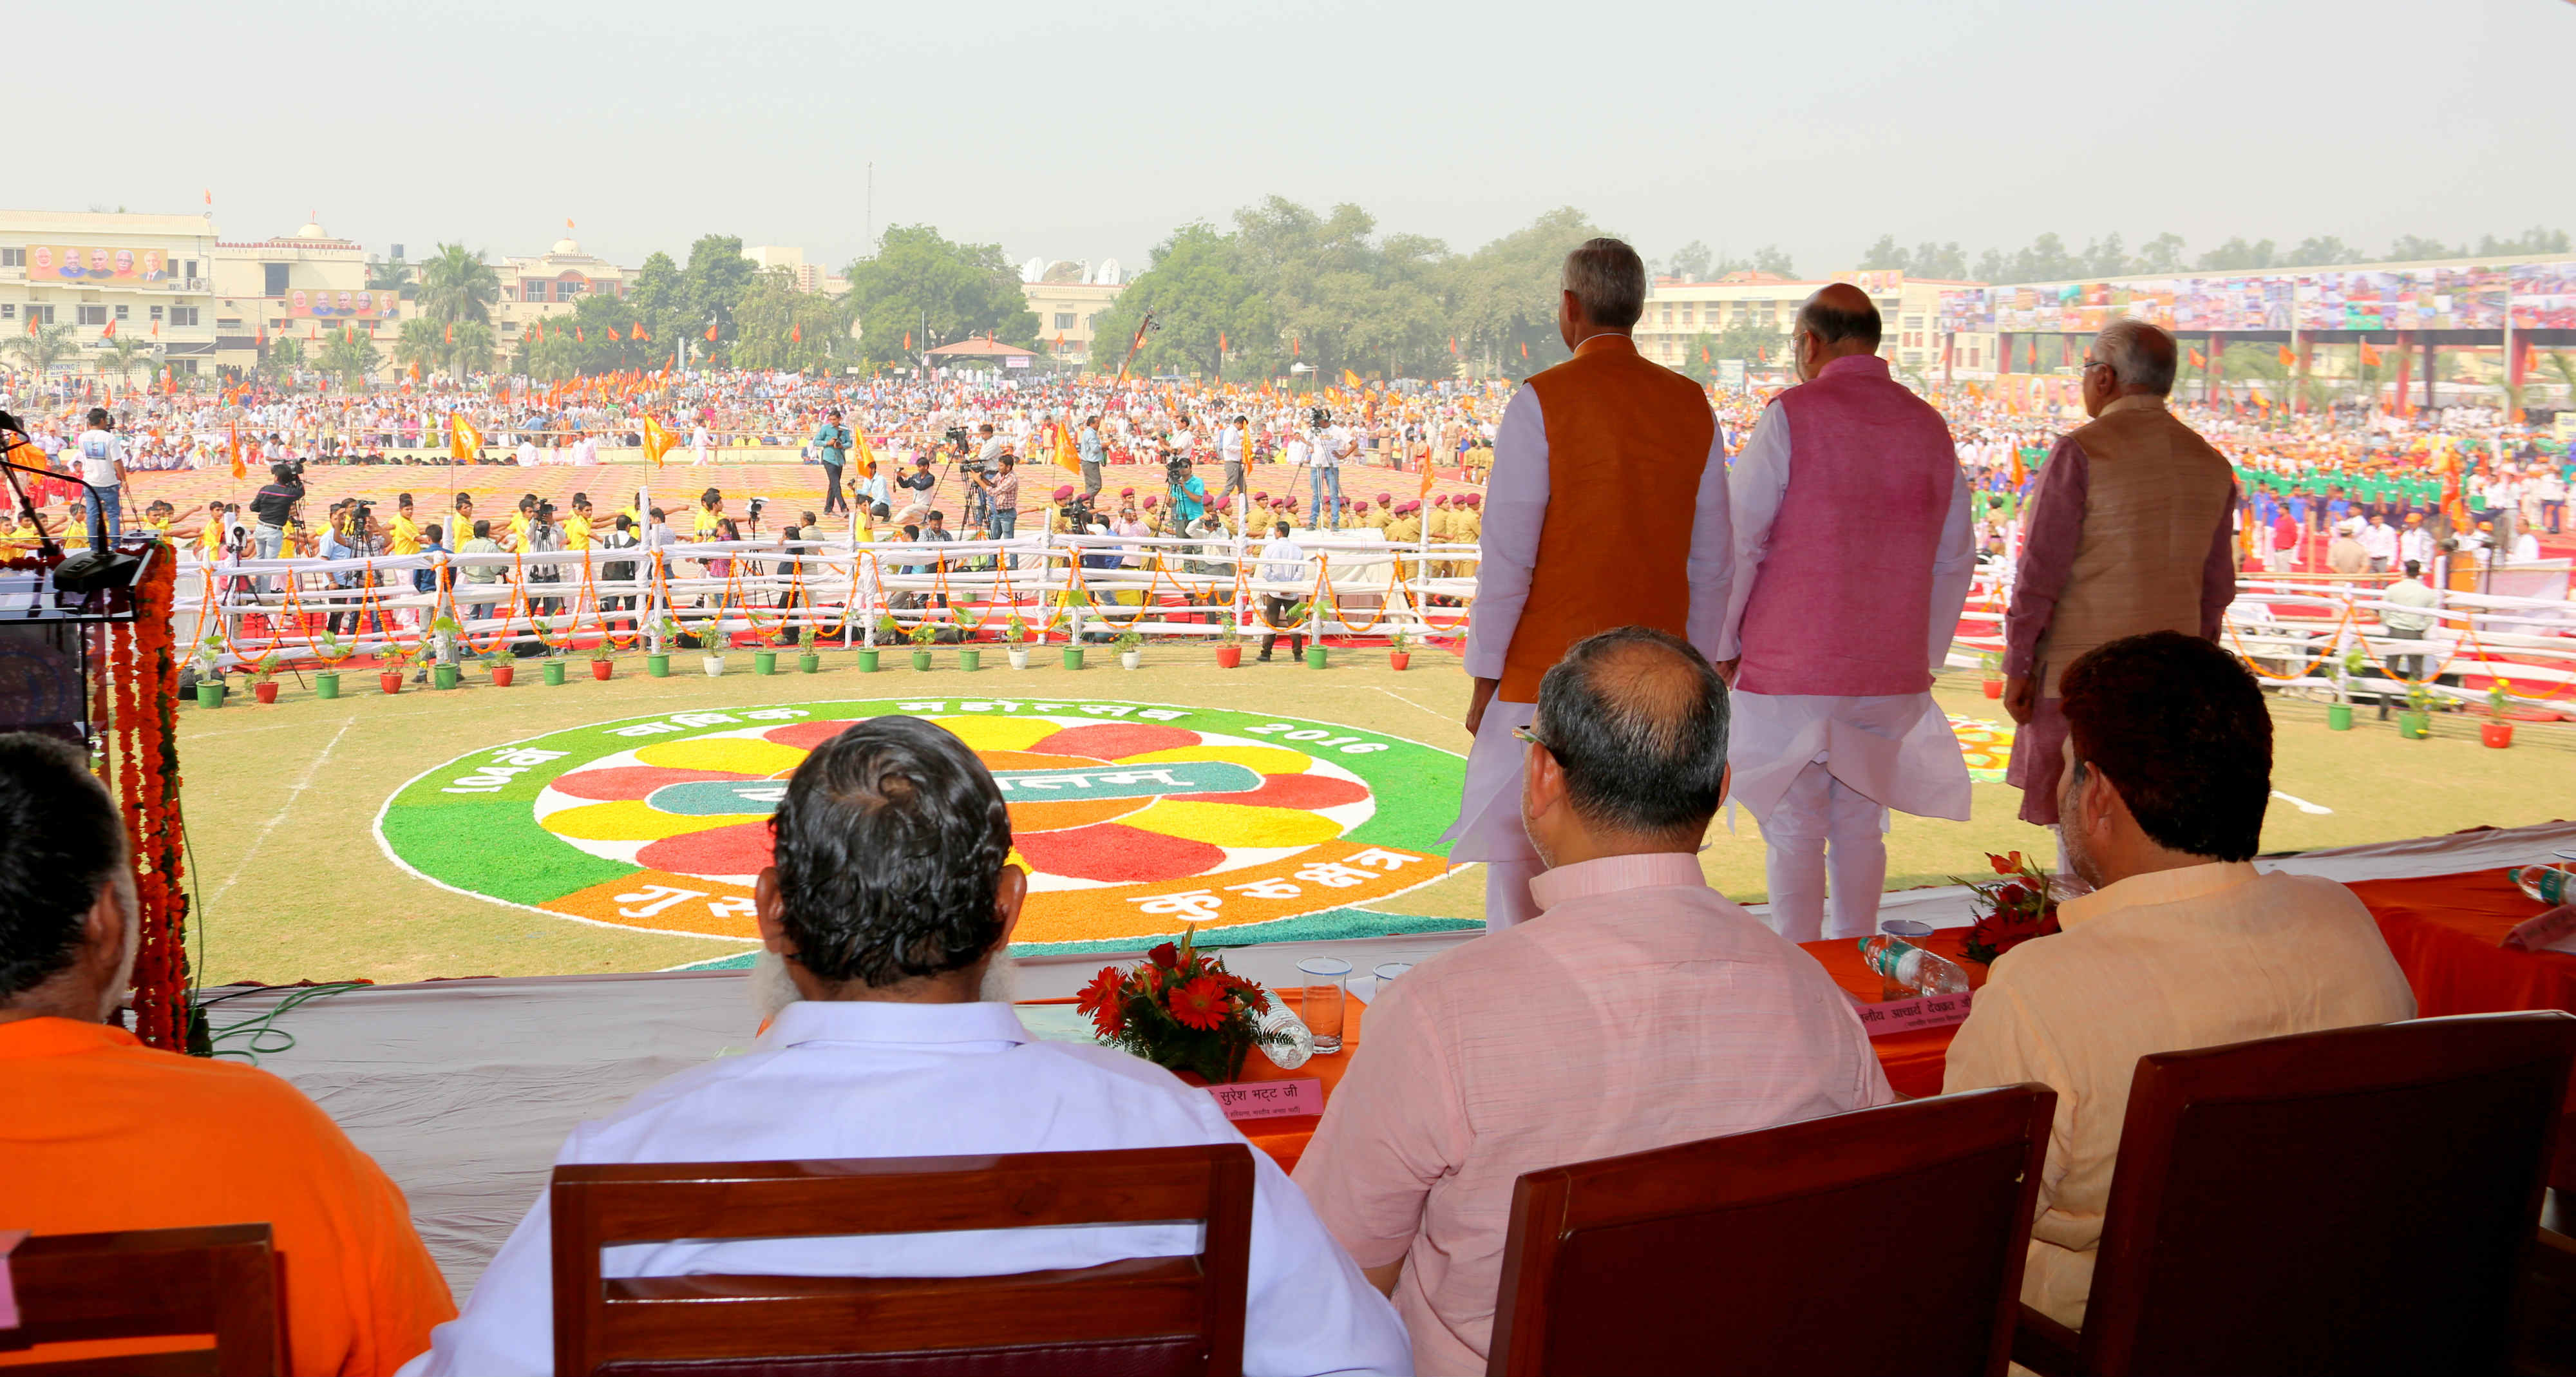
265, 1038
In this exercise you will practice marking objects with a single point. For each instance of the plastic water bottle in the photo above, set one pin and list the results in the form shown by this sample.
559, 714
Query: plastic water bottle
1906, 966
1284, 1037
2548, 884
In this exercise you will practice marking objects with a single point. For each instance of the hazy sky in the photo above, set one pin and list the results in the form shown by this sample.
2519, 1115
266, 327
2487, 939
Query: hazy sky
1090, 130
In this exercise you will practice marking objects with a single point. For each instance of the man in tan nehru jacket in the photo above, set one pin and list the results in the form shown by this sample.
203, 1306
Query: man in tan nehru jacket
2127, 532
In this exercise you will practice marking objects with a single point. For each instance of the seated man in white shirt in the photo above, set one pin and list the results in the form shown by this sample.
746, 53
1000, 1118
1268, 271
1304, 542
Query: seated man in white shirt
891, 907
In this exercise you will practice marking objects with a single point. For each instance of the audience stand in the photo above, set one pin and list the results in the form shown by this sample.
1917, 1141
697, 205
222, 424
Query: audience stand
1144, 1317
1885, 1240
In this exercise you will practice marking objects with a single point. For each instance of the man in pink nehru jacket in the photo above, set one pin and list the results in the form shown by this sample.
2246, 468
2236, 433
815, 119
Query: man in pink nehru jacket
1852, 561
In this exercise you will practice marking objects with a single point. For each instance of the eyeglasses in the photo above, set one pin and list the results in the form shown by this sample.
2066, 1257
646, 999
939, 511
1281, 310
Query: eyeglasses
2094, 363
1532, 738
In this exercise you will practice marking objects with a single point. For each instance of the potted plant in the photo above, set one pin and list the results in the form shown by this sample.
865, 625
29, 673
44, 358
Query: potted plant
1399, 650
263, 678
398, 658
1073, 655
970, 656
210, 675
326, 680
710, 648
2347, 667
2416, 722
443, 673
764, 660
603, 661
1992, 666
552, 671
1229, 640
1180, 1010
923, 636
1015, 636
658, 662
2495, 731
1131, 649
2011, 910
503, 668
807, 661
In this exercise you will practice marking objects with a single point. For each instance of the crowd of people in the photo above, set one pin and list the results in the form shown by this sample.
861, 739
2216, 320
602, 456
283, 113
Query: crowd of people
1619, 1003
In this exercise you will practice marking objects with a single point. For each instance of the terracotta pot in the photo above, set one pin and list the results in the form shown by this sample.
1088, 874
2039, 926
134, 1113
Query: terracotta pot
503, 674
1229, 656
392, 681
1994, 688
601, 669
1398, 659
2498, 735
264, 692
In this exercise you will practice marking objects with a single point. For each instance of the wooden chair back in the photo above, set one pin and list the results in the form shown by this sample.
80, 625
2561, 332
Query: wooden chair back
151, 1283
2359, 1200
1887, 1240
1144, 1317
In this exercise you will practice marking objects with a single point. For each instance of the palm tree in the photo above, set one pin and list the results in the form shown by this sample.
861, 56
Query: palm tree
43, 347
349, 354
122, 354
456, 284
388, 275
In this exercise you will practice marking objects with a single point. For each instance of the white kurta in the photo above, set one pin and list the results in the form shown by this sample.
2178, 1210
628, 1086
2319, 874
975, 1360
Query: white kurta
1898, 748
1489, 812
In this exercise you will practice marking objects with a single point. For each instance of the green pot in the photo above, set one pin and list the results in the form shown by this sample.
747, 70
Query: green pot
210, 693
326, 683
970, 659
809, 663
1314, 657
921, 659
2338, 717
442, 676
554, 671
2414, 726
764, 662
868, 660
1073, 657
659, 666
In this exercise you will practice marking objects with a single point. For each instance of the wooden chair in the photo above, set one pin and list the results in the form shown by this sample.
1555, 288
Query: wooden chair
1143, 1317
1886, 1240
2360, 1200
150, 1283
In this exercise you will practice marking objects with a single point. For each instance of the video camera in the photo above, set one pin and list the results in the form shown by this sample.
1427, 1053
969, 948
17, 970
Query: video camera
1320, 417
957, 438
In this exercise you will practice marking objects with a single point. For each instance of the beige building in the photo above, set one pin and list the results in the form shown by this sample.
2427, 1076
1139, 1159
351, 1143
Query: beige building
549, 284
294, 285
147, 276
1068, 316
1678, 312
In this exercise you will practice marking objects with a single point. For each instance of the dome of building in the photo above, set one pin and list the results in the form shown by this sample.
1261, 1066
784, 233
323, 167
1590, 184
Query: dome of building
312, 230
565, 247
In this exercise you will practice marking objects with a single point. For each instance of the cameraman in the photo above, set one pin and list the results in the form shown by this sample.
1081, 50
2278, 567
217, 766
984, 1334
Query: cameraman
1088, 447
102, 467
275, 506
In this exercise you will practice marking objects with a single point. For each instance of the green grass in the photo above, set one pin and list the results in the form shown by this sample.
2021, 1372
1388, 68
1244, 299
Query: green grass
281, 800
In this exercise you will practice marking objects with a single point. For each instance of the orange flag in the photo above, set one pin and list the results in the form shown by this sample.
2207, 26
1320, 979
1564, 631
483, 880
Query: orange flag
578, 336
657, 440
638, 332
2288, 359
2197, 360
613, 336
109, 332
796, 332
239, 471
2369, 356
711, 334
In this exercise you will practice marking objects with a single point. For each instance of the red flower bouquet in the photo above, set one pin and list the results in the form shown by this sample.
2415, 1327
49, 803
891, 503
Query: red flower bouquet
2011, 910
1180, 1009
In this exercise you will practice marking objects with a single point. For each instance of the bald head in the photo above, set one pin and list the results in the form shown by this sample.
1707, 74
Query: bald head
1841, 319
1637, 721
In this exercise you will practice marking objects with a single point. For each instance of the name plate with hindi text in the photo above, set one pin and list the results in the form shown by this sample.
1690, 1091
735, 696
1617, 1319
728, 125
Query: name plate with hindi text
1269, 1099
1907, 1015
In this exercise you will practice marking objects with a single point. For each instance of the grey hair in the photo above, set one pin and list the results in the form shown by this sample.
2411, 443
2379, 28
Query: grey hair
1638, 721
1609, 280
2141, 354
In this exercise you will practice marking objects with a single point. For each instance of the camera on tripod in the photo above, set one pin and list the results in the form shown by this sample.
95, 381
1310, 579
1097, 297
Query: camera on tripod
957, 437
1320, 417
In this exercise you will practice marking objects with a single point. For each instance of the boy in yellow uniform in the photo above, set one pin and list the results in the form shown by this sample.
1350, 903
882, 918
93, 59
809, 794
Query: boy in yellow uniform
402, 534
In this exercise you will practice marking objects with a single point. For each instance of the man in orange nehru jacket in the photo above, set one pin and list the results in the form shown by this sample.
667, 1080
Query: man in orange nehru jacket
1606, 507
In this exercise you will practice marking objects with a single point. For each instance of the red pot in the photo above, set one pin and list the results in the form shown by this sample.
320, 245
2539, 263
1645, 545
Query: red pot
501, 675
1994, 688
265, 692
1399, 658
1229, 656
599, 669
392, 680
2496, 734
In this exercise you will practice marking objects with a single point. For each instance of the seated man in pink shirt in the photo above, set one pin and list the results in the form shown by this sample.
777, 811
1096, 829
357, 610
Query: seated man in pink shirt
1640, 1009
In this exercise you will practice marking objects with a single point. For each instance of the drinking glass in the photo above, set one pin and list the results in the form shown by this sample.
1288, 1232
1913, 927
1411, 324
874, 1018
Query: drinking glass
1913, 934
1325, 982
1387, 971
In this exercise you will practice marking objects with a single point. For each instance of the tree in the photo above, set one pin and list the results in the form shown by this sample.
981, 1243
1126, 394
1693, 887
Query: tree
2410, 248
1503, 297
1771, 258
2162, 254
2238, 256
2537, 239
784, 326
457, 285
1691, 262
123, 353
659, 298
1927, 259
2105, 257
2319, 250
1883, 256
41, 348
459, 349
349, 354
390, 275
285, 355
713, 284
1200, 294
937, 292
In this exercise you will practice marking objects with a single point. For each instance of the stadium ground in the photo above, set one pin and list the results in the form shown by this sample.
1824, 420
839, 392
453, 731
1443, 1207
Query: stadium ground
292, 883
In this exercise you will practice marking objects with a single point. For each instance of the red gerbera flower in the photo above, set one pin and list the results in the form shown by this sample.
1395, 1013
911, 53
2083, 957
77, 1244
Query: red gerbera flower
1104, 999
1166, 956
2005, 864
1202, 1003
